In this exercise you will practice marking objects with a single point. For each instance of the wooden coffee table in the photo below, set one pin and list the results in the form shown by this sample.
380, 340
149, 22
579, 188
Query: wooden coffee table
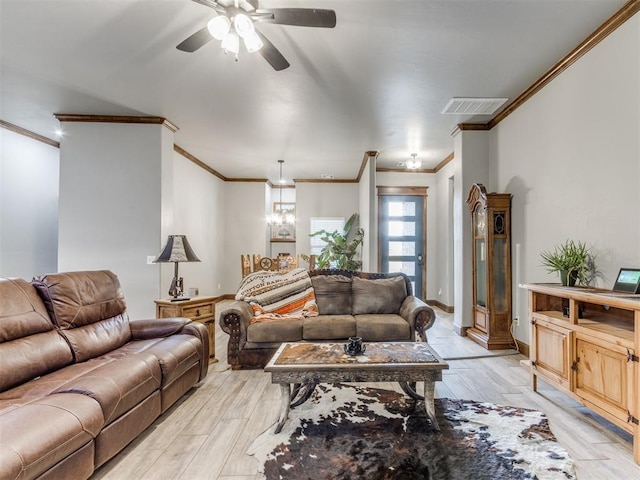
304, 365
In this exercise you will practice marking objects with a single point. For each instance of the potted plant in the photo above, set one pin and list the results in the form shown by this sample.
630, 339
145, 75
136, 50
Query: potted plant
572, 260
341, 248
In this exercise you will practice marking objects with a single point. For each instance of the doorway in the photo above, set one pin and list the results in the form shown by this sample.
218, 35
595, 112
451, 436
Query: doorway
402, 233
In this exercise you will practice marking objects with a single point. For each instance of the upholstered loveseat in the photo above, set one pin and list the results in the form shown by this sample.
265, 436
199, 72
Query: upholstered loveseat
374, 306
78, 380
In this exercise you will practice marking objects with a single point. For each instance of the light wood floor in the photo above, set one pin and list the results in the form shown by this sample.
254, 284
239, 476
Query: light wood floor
205, 435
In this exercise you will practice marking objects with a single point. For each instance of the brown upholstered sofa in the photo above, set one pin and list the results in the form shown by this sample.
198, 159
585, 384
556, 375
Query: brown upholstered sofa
78, 380
374, 306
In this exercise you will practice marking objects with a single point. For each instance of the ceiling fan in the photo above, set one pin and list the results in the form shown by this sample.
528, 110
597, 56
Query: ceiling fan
236, 20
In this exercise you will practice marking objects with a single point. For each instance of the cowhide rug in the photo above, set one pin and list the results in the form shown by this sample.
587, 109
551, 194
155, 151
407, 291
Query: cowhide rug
354, 432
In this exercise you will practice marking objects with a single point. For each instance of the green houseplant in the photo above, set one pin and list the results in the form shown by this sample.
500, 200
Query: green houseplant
341, 249
572, 260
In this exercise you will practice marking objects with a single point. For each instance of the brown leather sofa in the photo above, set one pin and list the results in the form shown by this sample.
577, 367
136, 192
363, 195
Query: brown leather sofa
374, 306
78, 379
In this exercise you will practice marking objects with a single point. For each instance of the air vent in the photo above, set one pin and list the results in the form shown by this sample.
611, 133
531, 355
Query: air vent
473, 106
326, 176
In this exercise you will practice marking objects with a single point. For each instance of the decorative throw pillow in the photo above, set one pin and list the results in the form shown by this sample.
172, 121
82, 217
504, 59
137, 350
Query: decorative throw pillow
384, 295
278, 296
333, 294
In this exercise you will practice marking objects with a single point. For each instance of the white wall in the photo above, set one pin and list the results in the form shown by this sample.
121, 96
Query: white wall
323, 200
111, 199
244, 228
571, 158
403, 179
443, 284
199, 207
470, 165
28, 206
369, 216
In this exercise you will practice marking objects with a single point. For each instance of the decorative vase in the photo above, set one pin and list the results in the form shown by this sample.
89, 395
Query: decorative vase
568, 278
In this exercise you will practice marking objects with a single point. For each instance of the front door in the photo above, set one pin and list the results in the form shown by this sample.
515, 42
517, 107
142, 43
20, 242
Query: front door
402, 237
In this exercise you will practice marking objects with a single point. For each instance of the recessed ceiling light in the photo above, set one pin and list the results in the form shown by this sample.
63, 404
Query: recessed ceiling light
473, 106
326, 176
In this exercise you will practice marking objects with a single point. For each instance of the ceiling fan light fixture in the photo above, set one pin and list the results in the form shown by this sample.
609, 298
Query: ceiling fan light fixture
253, 42
243, 25
231, 43
219, 27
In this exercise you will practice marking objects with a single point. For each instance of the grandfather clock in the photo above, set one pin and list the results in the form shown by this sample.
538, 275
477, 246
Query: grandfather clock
491, 257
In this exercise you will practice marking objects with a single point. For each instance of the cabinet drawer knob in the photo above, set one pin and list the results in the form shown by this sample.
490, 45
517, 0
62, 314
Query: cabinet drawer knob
197, 312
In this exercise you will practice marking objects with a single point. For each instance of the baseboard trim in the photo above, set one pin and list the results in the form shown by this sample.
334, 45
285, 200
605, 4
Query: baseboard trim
440, 305
462, 331
523, 348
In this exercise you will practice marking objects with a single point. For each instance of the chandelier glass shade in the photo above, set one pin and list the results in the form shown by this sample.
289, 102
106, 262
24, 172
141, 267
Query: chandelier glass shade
230, 31
280, 217
414, 164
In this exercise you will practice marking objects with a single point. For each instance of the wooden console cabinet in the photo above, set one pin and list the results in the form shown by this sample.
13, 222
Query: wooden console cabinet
198, 309
586, 342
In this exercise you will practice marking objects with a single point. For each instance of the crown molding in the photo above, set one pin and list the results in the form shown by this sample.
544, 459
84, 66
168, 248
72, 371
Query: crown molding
28, 133
198, 162
627, 11
72, 117
323, 180
405, 170
444, 161
252, 180
365, 158
469, 127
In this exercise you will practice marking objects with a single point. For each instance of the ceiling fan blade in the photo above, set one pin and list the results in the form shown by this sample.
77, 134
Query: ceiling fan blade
211, 4
195, 41
302, 17
271, 54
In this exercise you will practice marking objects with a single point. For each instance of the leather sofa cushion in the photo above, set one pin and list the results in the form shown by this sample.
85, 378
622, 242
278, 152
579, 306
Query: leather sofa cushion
38, 435
382, 328
29, 344
89, 308
328, 327
383, 295
275, 331
117, 384
333, 294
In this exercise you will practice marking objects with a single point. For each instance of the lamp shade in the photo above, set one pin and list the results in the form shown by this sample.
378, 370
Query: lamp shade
177, 249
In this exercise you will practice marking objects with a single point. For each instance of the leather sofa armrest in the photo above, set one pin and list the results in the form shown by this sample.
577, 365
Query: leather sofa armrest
420, 316
234, 320
157, 327
165, 327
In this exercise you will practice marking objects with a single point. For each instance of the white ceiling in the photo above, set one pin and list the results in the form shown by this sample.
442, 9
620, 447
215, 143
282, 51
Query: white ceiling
377, 81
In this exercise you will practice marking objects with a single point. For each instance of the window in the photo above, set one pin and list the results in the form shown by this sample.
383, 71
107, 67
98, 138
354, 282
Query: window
330, 224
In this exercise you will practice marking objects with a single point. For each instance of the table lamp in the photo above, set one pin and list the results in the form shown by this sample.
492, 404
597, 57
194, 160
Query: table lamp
177, 250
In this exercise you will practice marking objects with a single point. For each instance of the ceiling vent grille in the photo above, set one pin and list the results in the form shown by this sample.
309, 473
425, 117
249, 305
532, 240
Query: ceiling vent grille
473, 106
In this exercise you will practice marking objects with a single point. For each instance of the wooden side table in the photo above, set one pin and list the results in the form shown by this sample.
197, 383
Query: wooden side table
198, 309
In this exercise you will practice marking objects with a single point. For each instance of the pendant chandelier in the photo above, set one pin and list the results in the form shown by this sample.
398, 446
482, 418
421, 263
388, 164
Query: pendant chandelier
280, 216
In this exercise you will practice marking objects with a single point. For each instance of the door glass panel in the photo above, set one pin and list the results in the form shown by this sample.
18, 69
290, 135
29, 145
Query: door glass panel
401, 237
402, 229
401, 249
408, 268
402, 209
481, 273
500, 274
